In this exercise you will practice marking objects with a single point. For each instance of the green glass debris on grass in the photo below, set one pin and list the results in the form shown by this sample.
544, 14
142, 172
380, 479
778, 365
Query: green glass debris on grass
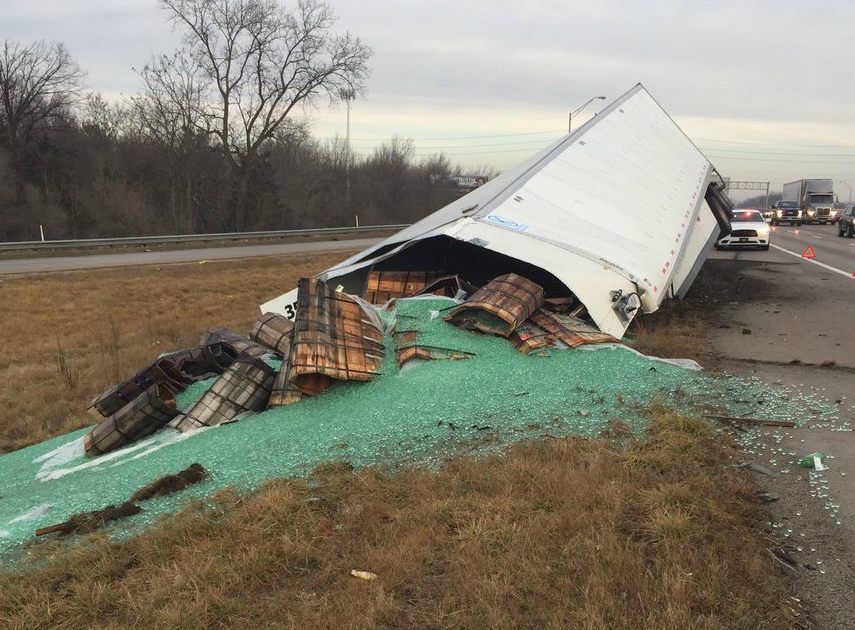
416, 416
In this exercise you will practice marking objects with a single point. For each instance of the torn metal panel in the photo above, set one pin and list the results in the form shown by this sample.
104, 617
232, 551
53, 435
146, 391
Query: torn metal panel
273, 331
334, 339
500, 306
609, 209
244, 387
148, 412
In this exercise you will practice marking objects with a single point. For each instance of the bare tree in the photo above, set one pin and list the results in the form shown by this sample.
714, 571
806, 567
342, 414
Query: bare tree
37, 83
244, 68
258, 62
172, 107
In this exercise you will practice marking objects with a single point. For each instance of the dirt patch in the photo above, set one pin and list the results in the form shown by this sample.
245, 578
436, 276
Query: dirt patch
87, 522
170, 484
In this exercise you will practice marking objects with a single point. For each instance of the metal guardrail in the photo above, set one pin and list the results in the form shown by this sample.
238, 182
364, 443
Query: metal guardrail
189, 238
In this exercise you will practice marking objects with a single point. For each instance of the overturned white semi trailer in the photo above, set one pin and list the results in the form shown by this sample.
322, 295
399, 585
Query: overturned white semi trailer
621, 213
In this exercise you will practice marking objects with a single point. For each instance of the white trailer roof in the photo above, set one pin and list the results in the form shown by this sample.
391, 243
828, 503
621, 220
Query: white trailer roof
618, 205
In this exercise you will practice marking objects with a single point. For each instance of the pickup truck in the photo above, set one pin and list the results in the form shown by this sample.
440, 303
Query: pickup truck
786, 212
846, 227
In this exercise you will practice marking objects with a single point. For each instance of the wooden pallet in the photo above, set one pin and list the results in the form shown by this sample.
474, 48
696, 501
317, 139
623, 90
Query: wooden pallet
568, 329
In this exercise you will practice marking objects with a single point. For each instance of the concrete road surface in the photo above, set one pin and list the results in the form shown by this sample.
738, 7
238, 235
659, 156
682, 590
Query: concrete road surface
69, 263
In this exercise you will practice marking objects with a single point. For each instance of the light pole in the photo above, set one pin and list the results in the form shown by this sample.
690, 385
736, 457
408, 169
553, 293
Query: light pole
347, 95
579, 109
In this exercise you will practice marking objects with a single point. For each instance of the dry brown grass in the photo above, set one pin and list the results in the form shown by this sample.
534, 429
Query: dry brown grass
677, 330
68, 336
563, 533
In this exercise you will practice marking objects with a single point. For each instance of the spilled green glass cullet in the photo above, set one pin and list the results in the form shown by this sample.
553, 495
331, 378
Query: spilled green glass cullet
419, 415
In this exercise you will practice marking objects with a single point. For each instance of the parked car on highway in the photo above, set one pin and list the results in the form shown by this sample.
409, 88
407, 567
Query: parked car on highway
786, 212
846, 225
749, 229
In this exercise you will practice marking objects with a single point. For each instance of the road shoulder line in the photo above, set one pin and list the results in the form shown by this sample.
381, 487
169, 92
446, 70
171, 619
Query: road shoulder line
851, 276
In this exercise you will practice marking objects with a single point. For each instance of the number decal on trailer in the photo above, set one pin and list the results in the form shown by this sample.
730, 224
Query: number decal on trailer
285, 305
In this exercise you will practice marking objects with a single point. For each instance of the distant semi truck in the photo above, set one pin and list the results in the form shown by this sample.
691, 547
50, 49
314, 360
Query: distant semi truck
815, 198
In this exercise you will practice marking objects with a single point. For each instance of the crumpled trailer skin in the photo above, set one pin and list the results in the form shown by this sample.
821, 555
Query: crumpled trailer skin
621, 213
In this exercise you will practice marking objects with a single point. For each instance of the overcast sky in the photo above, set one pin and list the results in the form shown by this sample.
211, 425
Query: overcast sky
763, 87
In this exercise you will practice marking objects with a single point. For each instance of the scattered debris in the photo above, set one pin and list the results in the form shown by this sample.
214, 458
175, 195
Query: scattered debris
814, 461
170, 484
363, 575
755, 421
408, 347
86, 522
762, 470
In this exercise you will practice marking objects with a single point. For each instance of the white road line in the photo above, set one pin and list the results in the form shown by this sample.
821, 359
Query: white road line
851, 276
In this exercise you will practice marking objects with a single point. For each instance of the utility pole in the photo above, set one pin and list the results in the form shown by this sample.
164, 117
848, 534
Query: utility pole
347, 95
579, 109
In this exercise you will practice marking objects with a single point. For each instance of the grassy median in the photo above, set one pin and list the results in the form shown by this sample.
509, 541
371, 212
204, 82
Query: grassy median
563, 533
69, 336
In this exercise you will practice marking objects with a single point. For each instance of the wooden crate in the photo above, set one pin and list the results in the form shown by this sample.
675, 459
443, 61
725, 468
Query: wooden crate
283, 392
244, 387
569, 330
273, 331
173, 371
529, 337
383, 286
333, 339
500, 306
148, 412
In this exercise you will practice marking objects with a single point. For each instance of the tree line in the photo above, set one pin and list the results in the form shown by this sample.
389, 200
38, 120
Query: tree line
214, 141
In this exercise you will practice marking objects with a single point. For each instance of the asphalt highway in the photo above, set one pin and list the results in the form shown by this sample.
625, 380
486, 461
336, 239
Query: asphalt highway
832, 250
95, 261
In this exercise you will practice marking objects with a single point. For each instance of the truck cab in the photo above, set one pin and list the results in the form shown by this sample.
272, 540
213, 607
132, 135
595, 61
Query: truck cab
819, 208
787, 212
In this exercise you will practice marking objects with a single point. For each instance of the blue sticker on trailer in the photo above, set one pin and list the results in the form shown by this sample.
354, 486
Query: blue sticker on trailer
507, 223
